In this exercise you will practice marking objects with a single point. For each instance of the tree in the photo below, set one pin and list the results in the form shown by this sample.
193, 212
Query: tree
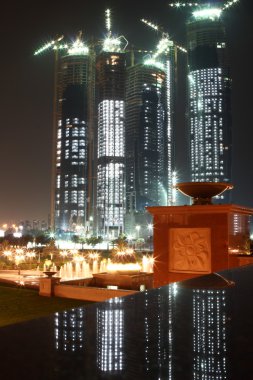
93, 240
42, 239
75, 239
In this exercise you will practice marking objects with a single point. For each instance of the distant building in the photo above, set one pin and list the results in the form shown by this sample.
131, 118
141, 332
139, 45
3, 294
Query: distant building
209, 91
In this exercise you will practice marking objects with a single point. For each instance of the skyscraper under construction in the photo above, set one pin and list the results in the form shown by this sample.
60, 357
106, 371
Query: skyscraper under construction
115, 121
110, 84
150, 99
209, 97
146, 174
71, 118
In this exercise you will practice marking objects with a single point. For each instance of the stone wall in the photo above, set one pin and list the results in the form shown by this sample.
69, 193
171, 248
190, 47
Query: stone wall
89, 293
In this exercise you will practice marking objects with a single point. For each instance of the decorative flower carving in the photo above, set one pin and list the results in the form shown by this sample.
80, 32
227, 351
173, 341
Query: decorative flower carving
191, 250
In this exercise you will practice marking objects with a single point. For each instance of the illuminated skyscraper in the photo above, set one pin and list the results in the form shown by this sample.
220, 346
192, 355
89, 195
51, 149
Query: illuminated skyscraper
149, 133
71, 138
209, 98
111, 66
146, 176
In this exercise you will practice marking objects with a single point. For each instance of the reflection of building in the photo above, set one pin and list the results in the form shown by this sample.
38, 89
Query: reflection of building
209, 99
71, 139
111, 142
209, 334
110, 337
69, 330
155, 331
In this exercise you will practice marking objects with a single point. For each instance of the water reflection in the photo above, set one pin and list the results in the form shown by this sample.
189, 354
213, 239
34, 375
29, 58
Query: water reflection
69, 330
174, 332
110, 336
209, 335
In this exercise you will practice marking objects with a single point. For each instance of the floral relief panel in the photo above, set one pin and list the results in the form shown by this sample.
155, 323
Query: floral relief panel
190, 250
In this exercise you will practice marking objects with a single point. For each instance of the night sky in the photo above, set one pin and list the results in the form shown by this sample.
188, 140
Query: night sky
27, 89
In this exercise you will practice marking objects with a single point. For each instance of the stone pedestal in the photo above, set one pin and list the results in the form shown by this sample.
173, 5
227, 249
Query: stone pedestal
190, 241
47, 286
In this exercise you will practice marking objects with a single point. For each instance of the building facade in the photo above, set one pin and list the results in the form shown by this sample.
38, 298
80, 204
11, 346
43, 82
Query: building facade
110, 81
150, 163
146, 175
209, 99
71, 140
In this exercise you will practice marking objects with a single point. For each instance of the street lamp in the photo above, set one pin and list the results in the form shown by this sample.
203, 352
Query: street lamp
150, 227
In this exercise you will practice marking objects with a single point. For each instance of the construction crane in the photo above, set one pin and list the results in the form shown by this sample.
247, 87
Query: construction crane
164, 44
112, 43
200, 5
165, 41
54, 45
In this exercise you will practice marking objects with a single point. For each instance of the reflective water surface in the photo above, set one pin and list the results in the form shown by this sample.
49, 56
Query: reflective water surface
199, 329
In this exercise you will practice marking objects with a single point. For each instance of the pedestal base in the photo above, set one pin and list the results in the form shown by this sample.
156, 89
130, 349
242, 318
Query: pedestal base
191, 241
47, 286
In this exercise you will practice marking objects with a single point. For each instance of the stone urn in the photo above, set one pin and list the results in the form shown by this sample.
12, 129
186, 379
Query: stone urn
49, 273
202, 192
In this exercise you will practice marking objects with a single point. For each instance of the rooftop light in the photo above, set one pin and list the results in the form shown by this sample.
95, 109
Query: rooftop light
207, 13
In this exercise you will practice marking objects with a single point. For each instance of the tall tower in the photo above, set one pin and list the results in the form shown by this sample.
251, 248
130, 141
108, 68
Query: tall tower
150, 102
209, 97
146, 154
71, 176
110, 78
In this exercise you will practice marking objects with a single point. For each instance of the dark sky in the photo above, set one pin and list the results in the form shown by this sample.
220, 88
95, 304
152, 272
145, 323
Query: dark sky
27, 89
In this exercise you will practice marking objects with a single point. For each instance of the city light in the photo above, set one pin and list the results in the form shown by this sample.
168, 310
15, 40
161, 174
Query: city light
125, 179
138, 228
153, 62
210, 13
78, 48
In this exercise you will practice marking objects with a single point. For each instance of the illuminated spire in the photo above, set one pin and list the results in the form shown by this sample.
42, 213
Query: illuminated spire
111, 43
108, 22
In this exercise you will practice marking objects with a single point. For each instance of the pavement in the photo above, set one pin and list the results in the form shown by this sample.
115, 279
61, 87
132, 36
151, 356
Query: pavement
22, 277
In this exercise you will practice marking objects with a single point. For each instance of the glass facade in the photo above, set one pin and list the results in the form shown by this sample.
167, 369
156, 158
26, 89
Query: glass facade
111, 143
